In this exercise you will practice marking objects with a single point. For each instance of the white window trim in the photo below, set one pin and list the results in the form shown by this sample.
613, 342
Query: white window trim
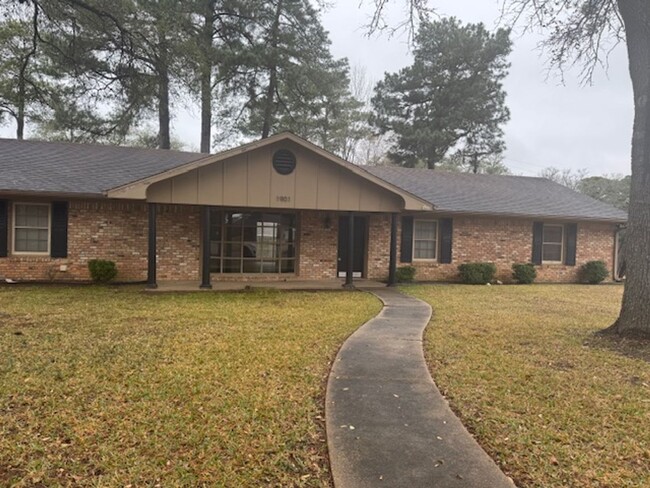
562, 244
437, 241
49, 230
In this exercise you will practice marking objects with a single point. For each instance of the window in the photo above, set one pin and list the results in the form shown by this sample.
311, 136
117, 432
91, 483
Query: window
425, 239
31, 228
252, 242
553, 243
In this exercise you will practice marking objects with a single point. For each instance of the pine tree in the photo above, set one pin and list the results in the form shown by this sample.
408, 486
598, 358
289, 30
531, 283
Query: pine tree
450, 97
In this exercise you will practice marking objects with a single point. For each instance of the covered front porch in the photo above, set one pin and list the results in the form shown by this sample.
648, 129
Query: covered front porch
254, 247
281, 209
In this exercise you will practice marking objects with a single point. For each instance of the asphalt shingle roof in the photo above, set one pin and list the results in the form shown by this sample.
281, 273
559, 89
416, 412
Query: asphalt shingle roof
497, 195
61, 167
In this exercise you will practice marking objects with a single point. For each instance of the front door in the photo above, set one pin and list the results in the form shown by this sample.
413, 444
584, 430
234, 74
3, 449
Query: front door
359, 252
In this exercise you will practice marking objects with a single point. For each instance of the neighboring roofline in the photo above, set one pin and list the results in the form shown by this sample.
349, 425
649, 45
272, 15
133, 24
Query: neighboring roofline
137, 189
442, 211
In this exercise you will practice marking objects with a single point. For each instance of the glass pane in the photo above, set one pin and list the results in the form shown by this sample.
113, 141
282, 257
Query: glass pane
425, 229
233, 233
288, 266
552, 252
232, 266
232, 250
425, 249
250, 250
41, 215
553, 233
250, 233
31, 240
215, 265
257, 240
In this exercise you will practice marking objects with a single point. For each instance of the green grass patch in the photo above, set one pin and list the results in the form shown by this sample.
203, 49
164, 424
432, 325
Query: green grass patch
553, 404
108, 386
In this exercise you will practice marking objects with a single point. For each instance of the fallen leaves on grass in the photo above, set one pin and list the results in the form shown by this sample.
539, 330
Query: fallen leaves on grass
113, 387
553, 404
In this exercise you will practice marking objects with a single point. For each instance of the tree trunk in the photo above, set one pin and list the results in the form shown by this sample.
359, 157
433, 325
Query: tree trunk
634, 318
273, 74
162, 70
163, 112
20, 117
206, 76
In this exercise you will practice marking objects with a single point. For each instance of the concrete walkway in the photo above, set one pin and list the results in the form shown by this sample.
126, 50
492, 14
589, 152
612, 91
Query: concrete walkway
387, 423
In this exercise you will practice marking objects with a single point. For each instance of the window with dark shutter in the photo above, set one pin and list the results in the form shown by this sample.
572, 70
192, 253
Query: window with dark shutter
538, 239
571, 231
406, 251
4, 228
59, 232
446, 231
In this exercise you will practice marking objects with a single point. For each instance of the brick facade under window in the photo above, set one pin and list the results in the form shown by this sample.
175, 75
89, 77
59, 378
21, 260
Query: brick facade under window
118, 231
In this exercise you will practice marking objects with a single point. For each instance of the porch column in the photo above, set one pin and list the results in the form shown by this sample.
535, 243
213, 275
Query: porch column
392, 265
151, 253
349, 266
205, 260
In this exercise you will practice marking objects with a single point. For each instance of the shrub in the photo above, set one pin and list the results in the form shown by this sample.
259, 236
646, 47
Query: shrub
405, 274
593, 272
524, 273
477, 273
101, 270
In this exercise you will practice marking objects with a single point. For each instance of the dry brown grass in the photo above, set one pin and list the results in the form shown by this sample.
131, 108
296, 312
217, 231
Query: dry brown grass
112, 387
553, 404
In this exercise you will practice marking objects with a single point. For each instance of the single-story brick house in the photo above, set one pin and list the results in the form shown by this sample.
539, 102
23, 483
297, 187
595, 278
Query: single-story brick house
280, 208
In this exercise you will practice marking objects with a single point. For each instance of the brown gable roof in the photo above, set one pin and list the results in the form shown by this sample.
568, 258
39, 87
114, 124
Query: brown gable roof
498, 195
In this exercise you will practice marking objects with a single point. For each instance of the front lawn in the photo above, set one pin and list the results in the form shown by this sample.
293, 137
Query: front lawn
551, 403
114, 387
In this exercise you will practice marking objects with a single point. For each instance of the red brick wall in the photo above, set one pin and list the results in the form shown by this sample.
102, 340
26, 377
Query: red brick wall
118, 231
505, 241
317, 245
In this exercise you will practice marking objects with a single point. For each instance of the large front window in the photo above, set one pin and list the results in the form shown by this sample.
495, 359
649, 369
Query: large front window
31, 228
252, 242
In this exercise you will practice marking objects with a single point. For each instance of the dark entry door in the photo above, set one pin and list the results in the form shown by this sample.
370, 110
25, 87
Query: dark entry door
359, 253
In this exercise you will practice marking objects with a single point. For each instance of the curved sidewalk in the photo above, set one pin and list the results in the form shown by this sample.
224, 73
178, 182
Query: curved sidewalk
387, 423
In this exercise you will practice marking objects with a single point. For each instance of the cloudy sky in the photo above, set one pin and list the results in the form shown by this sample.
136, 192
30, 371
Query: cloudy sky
566, 126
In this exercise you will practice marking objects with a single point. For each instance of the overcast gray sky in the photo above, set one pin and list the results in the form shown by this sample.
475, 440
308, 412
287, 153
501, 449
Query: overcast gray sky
566, 126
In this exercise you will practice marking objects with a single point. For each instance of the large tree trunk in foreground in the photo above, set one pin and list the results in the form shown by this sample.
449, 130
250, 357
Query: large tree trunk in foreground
634, 318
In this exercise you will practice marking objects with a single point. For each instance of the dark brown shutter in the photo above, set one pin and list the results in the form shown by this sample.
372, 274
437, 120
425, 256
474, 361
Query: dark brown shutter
571, 231
406, 252
538, 239
4, 228
59, 231
446, 231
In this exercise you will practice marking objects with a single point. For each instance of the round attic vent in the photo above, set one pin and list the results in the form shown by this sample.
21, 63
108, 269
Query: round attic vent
284, 161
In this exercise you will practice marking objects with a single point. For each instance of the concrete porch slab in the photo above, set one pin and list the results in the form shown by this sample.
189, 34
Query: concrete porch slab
296, 285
